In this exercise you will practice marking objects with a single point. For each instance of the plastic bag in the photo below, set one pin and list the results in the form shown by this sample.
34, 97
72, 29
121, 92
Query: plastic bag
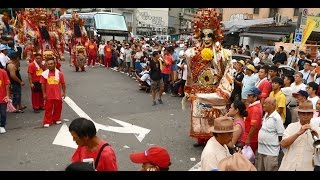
10, 107
248, 153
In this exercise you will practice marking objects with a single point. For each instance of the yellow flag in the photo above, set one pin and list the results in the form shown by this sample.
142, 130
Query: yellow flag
310, 25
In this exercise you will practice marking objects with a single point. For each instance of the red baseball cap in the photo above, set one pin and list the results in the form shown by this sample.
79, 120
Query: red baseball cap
156, 155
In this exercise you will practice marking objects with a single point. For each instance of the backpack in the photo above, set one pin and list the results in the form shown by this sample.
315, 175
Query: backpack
288, 119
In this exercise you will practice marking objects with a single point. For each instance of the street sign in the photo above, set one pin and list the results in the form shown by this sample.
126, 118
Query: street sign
304, 16
298, 37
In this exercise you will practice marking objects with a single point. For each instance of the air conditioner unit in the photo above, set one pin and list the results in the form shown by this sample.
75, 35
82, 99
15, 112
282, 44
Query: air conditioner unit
277, 18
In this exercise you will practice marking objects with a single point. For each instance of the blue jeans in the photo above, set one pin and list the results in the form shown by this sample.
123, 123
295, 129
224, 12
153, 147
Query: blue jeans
166, 82
3, 114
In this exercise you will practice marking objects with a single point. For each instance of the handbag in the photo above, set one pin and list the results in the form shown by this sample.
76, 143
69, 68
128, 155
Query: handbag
37, 87
10, 107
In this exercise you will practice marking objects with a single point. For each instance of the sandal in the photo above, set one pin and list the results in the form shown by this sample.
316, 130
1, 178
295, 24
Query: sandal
18, 111
23, 107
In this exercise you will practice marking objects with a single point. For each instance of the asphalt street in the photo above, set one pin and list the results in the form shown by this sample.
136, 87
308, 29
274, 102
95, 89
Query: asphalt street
100, 93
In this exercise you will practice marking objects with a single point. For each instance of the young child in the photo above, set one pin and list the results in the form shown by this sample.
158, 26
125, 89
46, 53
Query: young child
81, 59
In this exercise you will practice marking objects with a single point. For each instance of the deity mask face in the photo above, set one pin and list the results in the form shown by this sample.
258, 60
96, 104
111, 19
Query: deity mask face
42, 24
207, 37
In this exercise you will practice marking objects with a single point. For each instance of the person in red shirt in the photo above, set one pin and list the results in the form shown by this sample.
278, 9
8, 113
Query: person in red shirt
35, 70
253, 121
263, 84
92, 52
84, 133
4, 97
52, 82
166, 67
108, 54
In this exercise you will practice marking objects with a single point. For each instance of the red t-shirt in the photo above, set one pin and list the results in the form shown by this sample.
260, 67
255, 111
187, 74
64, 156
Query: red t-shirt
254, 118
53, 87
107, 51
35, 74
265, 87
167, 69
4, 80
107, 161
92, 48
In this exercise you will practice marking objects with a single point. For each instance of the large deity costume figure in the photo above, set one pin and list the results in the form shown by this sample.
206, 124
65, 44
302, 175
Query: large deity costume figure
37, 24
78, 35
209, 77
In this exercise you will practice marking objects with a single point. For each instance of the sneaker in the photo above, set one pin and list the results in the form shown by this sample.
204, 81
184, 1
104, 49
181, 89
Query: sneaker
164, 93
46, 125
2, 130
160, 101
58, 122
154, 103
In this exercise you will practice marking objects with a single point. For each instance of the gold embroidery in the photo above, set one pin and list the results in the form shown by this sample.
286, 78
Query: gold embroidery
39, 72
51, 80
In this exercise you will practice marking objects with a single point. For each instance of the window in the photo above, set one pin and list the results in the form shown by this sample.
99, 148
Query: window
110, 22
256, 10
128, 16
273, 12
187, 10
296, 12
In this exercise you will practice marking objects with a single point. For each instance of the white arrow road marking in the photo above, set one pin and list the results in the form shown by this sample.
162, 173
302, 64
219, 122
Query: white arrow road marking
64, 137
196, 167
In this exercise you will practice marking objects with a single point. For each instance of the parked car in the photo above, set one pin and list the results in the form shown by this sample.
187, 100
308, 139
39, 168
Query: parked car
239, 57
285, 69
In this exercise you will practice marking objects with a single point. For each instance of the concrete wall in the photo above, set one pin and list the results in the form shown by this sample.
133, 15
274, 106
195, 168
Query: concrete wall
264, 12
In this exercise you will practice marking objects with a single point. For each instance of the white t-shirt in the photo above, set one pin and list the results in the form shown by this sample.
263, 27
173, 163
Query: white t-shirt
256, 61
306, 75
315, 122
121, 52
146, 77
296, 88
272, 128
287, 91
3, 59
184, 72
291, 60
101, 49
314, 101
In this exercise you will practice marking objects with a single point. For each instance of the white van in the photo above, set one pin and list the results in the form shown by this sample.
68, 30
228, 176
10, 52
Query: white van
163, 38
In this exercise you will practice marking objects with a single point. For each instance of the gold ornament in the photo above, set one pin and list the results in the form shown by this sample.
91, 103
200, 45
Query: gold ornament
207, 78
206, 54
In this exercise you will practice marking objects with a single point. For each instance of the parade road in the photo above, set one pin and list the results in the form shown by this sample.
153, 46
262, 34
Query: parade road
123, 116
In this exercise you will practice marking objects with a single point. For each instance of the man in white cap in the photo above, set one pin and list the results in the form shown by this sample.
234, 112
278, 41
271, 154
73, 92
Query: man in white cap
3, 55
216, 148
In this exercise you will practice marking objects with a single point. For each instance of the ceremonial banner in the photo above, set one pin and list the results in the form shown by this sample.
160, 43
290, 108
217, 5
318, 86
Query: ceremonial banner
317, 20
310, 25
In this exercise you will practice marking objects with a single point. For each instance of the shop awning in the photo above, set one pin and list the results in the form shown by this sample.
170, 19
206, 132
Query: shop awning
275, 37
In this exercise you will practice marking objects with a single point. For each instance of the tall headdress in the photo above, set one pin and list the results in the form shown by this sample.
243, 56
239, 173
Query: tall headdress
43, 15
208, 18
76, 19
